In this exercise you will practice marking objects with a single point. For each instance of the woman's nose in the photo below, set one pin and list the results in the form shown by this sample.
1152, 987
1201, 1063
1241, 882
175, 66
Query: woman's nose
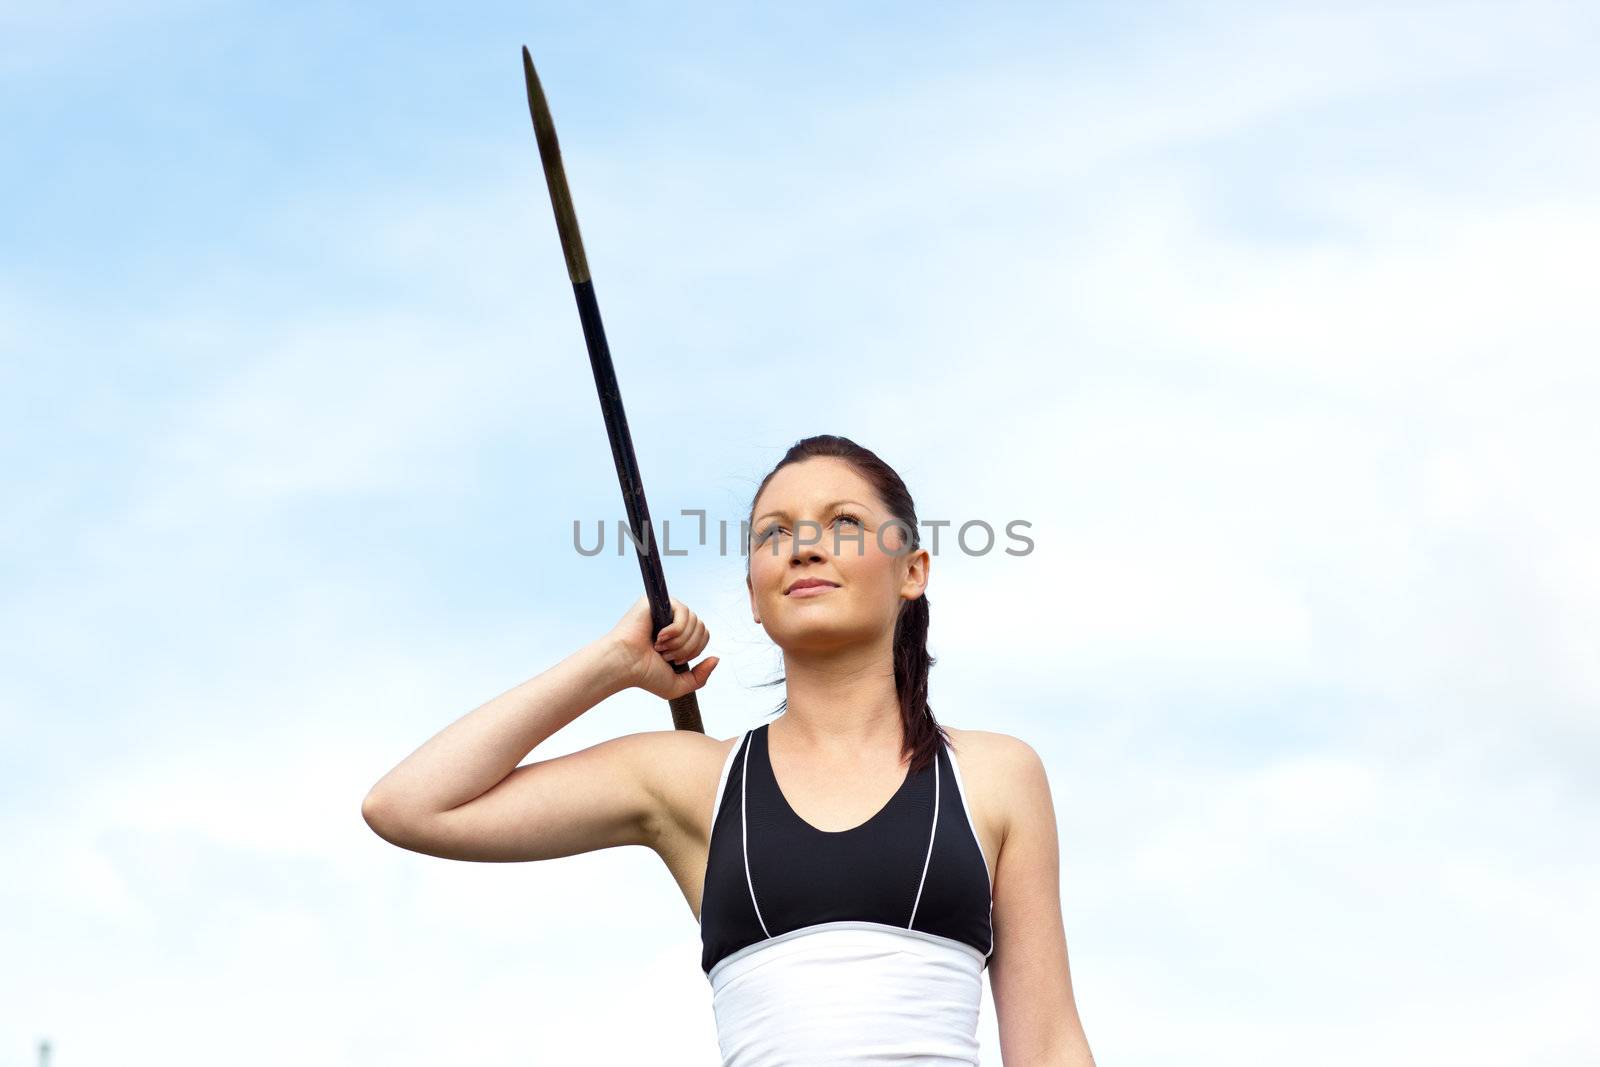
808, 542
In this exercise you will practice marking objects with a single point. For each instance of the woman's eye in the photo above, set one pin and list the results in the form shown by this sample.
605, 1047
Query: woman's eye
762, 537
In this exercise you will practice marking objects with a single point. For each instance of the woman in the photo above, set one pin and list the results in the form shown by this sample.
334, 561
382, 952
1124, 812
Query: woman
837, 926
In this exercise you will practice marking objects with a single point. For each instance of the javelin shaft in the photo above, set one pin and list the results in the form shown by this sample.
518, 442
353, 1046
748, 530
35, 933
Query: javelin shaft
685, 709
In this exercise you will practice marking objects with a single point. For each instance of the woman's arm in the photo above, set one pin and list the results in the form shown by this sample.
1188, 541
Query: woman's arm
1028, 973
462, 794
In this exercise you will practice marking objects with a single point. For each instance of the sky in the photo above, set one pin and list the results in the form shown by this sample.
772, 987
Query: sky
1271, 321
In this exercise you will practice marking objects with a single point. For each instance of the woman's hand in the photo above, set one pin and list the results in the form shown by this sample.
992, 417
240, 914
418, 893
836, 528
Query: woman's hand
681, 640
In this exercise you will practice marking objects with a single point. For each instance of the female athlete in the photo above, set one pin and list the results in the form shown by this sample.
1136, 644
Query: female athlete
854, 866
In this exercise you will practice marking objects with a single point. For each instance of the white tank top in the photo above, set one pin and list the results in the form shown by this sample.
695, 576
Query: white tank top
849, 993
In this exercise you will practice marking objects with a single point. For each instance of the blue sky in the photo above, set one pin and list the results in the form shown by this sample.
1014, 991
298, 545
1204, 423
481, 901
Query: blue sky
1275, 323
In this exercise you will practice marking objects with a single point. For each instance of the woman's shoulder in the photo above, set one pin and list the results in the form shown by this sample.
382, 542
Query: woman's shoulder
994, 768
679, 769
990, 746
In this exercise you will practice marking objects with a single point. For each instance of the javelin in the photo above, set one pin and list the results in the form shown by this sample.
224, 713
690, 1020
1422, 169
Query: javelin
685, 709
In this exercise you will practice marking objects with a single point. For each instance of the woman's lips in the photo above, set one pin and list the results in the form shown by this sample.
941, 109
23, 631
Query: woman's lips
812, 590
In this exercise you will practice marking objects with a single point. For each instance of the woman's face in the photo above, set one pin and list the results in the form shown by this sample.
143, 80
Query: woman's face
820, 519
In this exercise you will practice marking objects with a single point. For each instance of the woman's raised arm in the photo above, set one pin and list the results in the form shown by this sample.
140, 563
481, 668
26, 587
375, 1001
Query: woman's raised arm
463, 796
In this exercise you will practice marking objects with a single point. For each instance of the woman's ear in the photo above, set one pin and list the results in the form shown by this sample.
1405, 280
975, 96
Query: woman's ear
916, 577
755, 616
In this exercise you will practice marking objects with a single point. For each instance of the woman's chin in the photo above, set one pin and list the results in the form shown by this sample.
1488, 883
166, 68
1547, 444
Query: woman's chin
820, 632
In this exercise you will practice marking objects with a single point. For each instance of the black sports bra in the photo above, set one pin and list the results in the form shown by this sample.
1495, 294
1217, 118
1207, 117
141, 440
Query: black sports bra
915, 865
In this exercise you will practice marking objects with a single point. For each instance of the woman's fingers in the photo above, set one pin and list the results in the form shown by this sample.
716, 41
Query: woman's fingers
695, 677
681, 617
670, 639
693, 631
669, 635
688, 647
701, 672
683, 638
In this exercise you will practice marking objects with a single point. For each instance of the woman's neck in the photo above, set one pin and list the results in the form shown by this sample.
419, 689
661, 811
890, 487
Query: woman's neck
842, 703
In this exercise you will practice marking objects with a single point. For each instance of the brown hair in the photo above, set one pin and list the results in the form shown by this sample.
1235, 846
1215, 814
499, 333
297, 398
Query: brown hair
920, 733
